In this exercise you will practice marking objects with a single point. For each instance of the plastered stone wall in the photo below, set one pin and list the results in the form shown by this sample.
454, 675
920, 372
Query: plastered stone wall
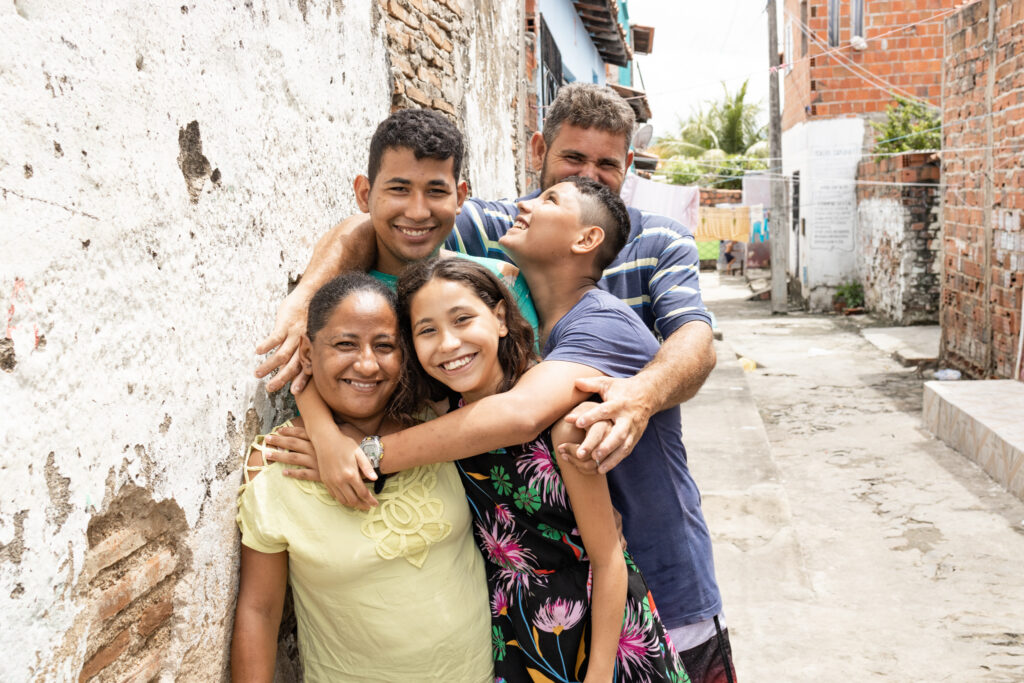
164, 172
899, 238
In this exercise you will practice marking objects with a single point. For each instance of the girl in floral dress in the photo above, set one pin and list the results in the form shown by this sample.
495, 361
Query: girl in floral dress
567, 604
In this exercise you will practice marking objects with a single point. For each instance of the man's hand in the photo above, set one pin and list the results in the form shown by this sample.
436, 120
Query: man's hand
288, 330
579, 453
626, 405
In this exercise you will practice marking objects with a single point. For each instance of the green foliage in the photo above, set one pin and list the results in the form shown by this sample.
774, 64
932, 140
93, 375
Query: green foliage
715, 145
711, 170
908, 126
850, 294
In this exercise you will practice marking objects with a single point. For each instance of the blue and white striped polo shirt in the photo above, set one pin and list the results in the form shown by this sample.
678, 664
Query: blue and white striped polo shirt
656, 273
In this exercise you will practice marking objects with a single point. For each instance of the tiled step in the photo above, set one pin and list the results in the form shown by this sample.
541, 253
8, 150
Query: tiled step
983, 420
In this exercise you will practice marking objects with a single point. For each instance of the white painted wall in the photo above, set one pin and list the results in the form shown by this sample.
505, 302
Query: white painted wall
882, 263
826, 153
579, 56
491, 116
148, 305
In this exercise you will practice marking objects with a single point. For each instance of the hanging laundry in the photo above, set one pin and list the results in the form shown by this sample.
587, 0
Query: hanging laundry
724, 224
758, 224
680, 202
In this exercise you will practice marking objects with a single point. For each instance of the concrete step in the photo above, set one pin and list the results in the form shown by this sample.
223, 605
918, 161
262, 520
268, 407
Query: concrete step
916, 345
983, 420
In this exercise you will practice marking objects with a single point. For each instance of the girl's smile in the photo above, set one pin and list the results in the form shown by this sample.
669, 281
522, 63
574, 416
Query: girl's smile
456, 337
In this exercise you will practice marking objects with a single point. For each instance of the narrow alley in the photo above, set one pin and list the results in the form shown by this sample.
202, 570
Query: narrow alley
849, 542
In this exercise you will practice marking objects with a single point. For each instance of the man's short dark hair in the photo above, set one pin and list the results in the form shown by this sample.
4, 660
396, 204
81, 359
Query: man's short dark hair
602, 207
424, 131
588, 105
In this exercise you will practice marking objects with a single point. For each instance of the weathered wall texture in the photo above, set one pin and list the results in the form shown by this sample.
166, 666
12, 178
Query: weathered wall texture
164, 171
899, 237
462, 57
983, 203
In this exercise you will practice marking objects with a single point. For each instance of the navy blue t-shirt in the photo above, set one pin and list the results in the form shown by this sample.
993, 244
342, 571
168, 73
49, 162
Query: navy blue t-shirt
652, 488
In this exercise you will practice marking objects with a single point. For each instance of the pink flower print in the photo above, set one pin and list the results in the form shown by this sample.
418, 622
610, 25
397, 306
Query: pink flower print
499, 603
504, 548
538, 467
559, 615
513, 580
503, 514
637, 645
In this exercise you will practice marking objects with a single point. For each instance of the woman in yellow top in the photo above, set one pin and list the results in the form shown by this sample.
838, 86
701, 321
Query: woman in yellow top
394, 593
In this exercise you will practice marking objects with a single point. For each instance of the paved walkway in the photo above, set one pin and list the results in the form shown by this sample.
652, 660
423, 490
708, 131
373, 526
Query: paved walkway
850, 544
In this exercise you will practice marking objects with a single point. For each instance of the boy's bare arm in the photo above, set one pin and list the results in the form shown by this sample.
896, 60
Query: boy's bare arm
350, 245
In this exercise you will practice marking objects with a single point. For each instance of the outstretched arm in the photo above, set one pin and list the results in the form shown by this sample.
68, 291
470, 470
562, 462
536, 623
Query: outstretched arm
350, 245
673, 376
546, 392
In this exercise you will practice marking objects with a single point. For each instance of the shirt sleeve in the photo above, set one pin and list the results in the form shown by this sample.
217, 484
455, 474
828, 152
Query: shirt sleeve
675, 282
260, 514
610, 341
479, 226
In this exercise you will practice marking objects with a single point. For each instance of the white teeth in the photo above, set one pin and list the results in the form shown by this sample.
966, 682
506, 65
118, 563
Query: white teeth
362, 385
414, 233
456, 364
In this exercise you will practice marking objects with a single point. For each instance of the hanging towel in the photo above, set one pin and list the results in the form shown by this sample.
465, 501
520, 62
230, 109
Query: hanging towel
679, 202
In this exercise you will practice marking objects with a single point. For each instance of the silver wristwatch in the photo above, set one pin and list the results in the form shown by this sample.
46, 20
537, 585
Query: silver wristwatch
374, 451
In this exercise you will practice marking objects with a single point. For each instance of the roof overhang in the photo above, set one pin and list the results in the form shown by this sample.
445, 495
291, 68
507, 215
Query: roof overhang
636, 99
645, 161
601, 19
643, 39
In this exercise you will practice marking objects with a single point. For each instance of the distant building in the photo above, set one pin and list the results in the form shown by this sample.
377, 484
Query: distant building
592, 42
844, 61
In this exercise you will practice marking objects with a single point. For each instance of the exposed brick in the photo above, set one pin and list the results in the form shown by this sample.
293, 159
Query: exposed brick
418, 96
154, 616
105, 656
113, 549
428, 76
403, 65
145, 671
436, 36
438, 103
135, 583
396, 10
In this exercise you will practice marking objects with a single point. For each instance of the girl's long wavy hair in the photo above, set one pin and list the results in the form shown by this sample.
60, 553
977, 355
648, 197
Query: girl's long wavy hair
515, 349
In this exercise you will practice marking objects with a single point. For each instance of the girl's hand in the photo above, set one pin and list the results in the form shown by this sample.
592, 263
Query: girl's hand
581, 455
293, 447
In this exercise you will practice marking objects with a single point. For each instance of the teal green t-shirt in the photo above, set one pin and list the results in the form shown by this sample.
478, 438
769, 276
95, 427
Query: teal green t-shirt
515, 282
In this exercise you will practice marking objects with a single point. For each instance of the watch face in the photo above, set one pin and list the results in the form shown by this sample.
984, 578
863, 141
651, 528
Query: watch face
372, 449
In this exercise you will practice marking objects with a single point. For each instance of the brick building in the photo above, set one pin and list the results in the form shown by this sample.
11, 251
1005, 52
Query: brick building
167, 170
983, 212
844, 62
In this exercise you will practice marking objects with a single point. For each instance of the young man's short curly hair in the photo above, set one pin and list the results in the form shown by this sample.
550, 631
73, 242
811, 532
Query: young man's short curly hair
424, 131
588, 105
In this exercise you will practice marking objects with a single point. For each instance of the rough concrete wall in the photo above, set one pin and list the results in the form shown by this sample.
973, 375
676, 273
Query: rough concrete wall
899, 237
491, 118
164, 171
983, 202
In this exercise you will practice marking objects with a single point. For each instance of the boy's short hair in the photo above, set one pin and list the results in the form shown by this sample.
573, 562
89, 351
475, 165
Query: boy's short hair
424, 131
602, 207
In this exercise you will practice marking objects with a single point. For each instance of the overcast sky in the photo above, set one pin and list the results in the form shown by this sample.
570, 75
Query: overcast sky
698, 44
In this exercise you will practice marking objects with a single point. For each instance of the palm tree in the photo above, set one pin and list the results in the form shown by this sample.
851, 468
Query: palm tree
705, 150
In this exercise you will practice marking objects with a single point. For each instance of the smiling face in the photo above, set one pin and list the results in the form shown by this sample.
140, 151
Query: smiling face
546, 225
412, 204
456, 337
589, 152
355, 358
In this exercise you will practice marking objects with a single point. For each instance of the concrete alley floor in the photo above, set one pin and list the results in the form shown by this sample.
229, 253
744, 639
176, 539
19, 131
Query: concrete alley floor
849, 542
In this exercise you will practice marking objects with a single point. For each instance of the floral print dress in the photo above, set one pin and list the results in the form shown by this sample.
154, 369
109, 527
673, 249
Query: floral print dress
540, 579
